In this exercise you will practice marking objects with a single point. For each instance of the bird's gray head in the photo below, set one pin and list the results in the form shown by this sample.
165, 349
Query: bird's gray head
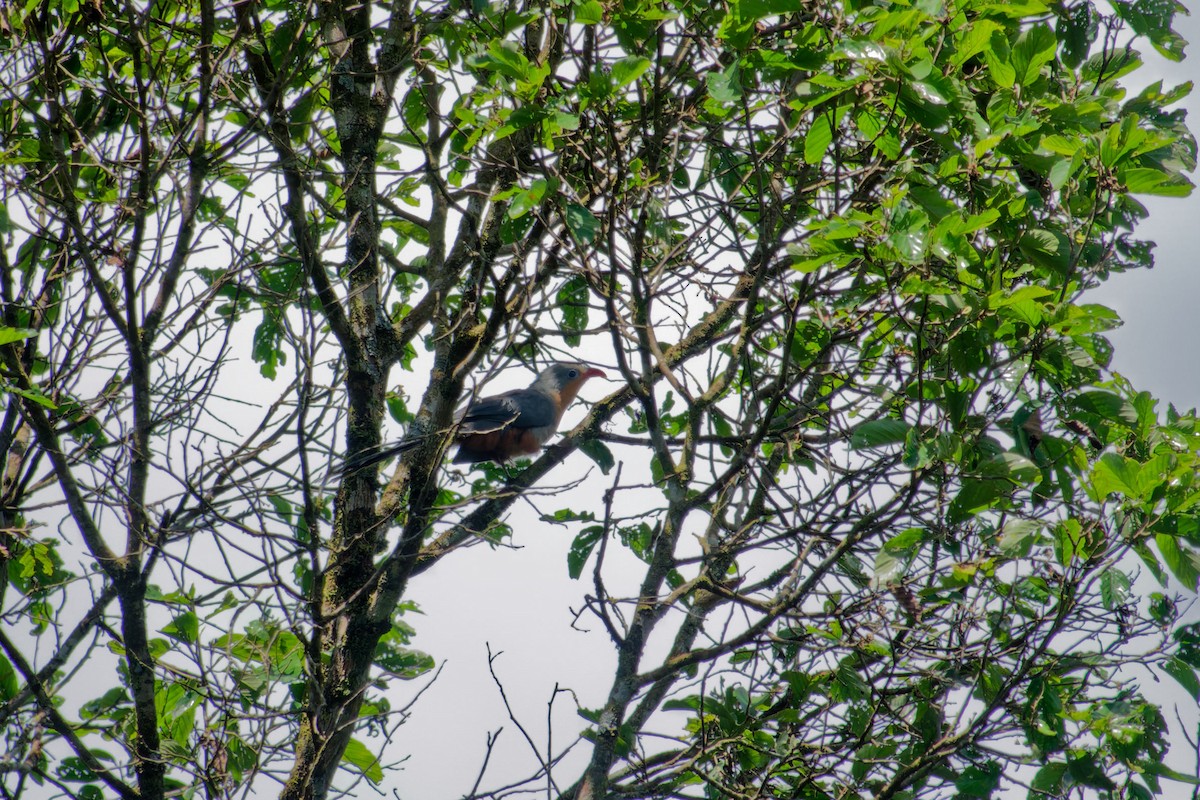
566, 374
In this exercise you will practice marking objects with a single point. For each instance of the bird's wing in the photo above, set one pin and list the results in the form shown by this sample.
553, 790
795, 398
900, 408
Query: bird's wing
521, 408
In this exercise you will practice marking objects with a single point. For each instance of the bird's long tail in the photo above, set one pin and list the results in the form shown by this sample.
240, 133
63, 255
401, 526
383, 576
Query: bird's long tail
372, 456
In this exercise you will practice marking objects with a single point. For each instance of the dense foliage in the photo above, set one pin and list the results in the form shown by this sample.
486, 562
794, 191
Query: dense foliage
886, 500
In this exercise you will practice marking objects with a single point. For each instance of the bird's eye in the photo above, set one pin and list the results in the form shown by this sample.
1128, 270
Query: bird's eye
573, 374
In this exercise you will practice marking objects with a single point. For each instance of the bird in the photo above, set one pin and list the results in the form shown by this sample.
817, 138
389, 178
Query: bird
501, 427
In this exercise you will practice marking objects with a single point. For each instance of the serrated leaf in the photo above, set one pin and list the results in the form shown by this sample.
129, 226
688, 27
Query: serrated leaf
1034, 49
996, 55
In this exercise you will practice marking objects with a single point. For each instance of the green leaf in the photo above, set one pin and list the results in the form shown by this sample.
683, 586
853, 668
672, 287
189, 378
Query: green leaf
1049, 778
1027, 304
974, 41
1010, 465
751, 10
1114, 588
997, 54
1164, 771
281, 505
1068, 541
1046, 248
1085, 771
725, 86
185, 627
979, 780
818, 139
1034, 49
1107, 405
906, 540
975, 496
572, 303
629, 69
73, 769
1088, 318
8, 680
1019, 537
878, 433
1180, 559
888, 567
114, 699
851, 684
1145, 180
9, 335
582, 223
403, 662
597, 451
582, 548
589, 13
507, 59
265, 349
34, 395
1152, 19
1113, 473
1076, 28
363, 761
527, 199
